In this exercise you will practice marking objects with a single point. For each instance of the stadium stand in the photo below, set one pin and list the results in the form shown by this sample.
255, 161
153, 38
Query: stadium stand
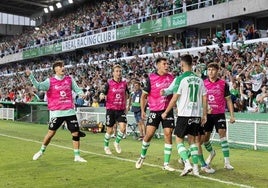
88, 20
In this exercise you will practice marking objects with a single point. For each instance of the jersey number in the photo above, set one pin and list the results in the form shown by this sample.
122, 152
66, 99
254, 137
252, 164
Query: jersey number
193, 92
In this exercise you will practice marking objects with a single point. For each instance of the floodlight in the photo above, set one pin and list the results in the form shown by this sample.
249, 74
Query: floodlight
58, 5
51, 8
46, 10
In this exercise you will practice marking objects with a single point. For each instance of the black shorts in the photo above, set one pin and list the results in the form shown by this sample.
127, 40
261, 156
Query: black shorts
187, 125
201, 130
113, 116
71, 121
217, 120
154, 119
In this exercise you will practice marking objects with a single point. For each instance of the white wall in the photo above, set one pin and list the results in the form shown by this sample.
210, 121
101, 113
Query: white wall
226, 10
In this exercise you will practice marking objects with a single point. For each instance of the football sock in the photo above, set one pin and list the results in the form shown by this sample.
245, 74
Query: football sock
106, 139
144, 148
208, 146
119, 136
202, 160
167, 153
43, 148
76, 152
182, 151
225, 147
194, 153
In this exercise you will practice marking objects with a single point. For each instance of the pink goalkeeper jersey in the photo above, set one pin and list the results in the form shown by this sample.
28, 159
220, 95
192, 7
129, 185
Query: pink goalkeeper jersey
59, 94
157, 102
216, 92
116, 96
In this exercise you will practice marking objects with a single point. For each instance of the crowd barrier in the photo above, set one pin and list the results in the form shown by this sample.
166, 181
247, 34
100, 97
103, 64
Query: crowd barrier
248, 131
7, 113
247, 134
34, 112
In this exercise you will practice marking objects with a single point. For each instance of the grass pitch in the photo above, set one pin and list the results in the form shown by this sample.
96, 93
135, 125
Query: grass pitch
19, 141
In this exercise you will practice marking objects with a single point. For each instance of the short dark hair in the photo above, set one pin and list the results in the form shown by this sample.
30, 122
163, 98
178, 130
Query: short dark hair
187, 59
159, 59
137, 82
214, 65
58, 63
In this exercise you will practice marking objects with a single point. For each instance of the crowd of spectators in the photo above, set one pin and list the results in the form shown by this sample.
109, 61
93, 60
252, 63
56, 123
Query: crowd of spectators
244, 68
97, 16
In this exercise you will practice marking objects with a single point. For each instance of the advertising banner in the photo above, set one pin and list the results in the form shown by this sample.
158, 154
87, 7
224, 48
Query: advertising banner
152, 26
89, 40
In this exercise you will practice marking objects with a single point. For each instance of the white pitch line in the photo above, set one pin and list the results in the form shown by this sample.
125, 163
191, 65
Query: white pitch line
128, 160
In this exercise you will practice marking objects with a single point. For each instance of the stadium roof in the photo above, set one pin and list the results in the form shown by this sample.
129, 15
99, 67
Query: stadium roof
27, 8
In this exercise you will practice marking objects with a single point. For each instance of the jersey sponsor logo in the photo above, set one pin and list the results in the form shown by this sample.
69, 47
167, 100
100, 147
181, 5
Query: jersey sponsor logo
62, 94
221, 120
211, 97
164, 84
170, 118
193, 120
57, 87
74, 121
157, 85
61, 87
118, 90
117, 96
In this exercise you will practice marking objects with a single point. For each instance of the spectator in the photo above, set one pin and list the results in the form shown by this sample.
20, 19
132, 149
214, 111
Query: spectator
102, 100
134, 103
95, 102
262, 100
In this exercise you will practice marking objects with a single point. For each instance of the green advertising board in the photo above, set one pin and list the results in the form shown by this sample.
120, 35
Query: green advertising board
152, 26
41, 51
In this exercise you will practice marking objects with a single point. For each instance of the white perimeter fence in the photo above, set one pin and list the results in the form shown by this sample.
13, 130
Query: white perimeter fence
243, 132
7, 113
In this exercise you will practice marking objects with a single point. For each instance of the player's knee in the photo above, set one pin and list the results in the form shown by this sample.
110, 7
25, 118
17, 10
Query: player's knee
76, 138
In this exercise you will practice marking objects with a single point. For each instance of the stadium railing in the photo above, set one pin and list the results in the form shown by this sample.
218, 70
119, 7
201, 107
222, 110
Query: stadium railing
34, 112
248, 131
